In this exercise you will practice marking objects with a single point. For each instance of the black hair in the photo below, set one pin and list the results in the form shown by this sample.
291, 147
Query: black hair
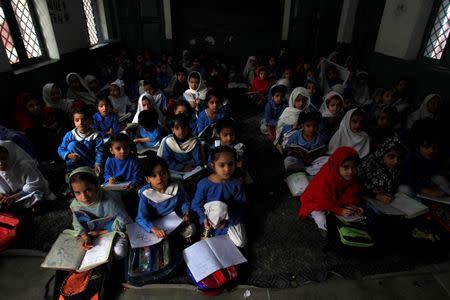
399, 147
226, 122
332, 67
120, 138
4, 150
150, 163
313, 116
210, 94
180, 120
182, 103
148, 119
195, 75
278, 89
105, 99
181, 71
215, 153
152, 83
358, 112
353, 158
425, 132
82, 110
391, 111
83, 176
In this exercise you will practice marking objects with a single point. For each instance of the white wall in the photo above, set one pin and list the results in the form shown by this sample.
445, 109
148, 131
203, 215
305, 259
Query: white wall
69, 25
402, 28
347, 21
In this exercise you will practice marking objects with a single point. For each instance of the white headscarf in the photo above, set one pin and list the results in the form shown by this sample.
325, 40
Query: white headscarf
326, 113
120, 104
422, 112
216, 212
199, 93
287, 84
141, 108
184, 147
23, 173
63, 104
87, 96
290, 114
249, 70
360, 141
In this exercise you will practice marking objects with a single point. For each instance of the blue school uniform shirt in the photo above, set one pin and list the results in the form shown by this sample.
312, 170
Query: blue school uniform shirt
153, 135
204, 121
88, 146
177, 161
272, 112
128, 169
154, 205
103, 124
231, 192
297, 139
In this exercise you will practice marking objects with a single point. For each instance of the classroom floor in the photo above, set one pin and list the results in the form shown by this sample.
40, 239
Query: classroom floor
283, 252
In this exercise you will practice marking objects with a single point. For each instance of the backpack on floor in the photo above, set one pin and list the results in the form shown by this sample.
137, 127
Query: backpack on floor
153, 263
217, 282
87, 285
8, 229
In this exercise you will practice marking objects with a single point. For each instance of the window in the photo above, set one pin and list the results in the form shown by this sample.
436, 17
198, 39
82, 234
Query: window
18, 30
439, 32
91, 21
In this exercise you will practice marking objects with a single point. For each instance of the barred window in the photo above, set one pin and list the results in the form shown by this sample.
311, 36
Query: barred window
19, 31
91, 21
439, 33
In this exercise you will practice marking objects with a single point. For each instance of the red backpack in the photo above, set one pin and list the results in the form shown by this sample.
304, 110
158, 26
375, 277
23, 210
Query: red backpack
217, 282
8, 229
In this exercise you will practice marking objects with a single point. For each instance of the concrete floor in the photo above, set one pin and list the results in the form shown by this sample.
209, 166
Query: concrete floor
22, 278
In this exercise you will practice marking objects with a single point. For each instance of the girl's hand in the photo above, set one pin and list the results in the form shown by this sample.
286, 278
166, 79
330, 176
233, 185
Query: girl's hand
358, 210
98, 169
347, 212
112, 180
73, 156
158, 232
97, 233
384, 198
109, 132
137, 141
207, 224
435, 192
188, 168
87, 242
187, 218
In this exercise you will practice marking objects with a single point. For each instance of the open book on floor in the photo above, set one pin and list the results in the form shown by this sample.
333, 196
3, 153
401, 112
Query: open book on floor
443, 200
297, 183
300, 151
67, 253
178, 175
125, 117
207, 256
402, 205
120, 186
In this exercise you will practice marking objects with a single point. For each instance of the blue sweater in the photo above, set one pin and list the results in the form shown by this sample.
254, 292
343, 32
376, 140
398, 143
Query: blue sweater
230, 192
154, 136
204, 121
177, 161
89, 147
297, 139
272, 112
103, 124
149, 210
124, 170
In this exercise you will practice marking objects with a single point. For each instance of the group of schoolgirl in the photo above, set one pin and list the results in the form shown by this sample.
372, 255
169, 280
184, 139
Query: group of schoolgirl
367, 144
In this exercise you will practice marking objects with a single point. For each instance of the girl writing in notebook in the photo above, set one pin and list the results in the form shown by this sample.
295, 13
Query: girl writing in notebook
334, 189
91, 202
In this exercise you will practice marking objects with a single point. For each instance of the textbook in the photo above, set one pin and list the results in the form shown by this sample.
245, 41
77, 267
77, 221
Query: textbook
207, 256
351, 219
443, 200
178, 175
402, 205
67, 253
297, 183
125, 117
121, 186
299, 151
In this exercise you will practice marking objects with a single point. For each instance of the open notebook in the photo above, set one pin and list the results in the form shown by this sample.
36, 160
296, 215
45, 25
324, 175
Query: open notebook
402, 205
67, 253
120, 186
185, 175
297, 183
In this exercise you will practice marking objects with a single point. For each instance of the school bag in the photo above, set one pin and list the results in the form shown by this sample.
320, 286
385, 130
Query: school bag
153, 263
8, 229
87, 285
217, 282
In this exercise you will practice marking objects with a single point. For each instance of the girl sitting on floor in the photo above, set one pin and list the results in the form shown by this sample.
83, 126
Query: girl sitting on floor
220, 198
333, 189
